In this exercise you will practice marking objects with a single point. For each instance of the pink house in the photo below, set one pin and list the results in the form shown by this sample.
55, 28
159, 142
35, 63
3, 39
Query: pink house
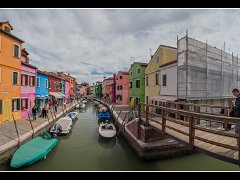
67, 90
28, 85
122, 87
83, 90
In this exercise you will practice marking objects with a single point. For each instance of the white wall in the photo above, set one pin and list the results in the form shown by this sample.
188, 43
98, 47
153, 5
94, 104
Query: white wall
171, 72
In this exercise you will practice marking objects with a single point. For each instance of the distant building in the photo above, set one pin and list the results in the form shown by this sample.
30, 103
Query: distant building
122, 87
137, 83
99, 89
28, 85
107, 88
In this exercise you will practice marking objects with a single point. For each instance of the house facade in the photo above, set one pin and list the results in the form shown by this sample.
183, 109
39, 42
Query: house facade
163, 55
67, 91
41, 89
137, 83
122, 87
54, 88
107, 87
10, 70
99, 90
28, 85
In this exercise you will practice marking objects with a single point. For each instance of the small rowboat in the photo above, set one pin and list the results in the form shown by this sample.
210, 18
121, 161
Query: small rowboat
107, 130
33, 151
65, 124
72, 115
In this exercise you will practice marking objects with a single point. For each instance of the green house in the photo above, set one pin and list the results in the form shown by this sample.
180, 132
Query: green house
99, 90
62, 86
137, 83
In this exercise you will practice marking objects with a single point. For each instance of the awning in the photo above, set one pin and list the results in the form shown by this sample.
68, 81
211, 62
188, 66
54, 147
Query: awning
56, 95
61, 94
37, 96
163, 98
46, 96
42, 96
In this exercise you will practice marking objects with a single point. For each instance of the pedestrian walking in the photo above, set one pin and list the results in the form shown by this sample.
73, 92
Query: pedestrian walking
34, 112
236, 109
44, 112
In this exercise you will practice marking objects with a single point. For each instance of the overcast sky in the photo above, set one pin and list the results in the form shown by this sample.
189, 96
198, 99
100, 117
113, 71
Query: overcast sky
92, 43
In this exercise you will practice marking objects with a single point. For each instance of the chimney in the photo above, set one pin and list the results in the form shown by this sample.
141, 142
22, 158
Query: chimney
151, 56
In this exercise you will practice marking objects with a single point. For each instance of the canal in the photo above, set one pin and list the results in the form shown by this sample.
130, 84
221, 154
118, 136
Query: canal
84, 150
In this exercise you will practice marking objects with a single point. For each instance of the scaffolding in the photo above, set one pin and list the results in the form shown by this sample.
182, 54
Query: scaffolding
205, 72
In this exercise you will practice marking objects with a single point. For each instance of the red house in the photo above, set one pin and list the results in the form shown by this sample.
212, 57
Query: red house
54, 88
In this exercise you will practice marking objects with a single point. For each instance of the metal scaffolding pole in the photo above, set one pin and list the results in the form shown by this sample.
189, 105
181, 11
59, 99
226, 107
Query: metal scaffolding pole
186, 64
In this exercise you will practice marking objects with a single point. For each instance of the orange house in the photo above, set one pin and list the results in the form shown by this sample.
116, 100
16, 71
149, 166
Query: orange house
10, 69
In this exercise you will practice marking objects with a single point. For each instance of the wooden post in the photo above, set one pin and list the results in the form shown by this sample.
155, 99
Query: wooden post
147, 111
191, 132
15, 124
197, 109
164, 121
33, 134
139, 112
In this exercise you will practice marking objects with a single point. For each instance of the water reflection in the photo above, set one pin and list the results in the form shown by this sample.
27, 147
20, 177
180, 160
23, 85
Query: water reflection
106, 143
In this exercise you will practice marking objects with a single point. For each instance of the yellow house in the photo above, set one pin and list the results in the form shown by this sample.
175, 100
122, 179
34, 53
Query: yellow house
10, 73
163, 55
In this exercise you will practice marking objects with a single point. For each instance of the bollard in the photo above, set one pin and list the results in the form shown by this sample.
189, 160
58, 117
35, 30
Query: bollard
33, 134
15, 124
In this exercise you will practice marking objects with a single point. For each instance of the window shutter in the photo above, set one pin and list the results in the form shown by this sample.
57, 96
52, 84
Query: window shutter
22, 104
18, 104
12, 105
21, 80
0, 68
0, 106
26, 80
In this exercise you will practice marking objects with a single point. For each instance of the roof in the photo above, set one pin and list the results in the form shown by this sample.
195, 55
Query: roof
140, 63
53, 75
123, 72
41, 72
11, 35
172, 62
25, 51
29, 65
8, 24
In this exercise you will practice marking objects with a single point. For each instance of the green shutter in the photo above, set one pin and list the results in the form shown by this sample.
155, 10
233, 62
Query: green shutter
18, 104
12, 105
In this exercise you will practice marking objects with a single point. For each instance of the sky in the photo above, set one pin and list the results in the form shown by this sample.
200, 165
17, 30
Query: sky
93, 43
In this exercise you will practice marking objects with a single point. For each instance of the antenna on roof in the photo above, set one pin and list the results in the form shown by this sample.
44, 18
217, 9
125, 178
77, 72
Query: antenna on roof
151, 53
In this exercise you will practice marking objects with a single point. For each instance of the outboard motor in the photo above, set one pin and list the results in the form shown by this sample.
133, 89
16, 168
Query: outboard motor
57, 128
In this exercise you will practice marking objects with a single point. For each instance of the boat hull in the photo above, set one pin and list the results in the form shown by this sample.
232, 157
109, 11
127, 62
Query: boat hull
107, 133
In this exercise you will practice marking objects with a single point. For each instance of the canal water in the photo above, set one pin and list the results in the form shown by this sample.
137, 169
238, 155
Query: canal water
84, 150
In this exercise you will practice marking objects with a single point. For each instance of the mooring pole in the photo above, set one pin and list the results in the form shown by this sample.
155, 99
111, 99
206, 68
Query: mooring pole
33, 134
15, 124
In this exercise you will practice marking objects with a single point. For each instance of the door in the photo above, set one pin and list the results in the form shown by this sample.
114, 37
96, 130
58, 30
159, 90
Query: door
6, 109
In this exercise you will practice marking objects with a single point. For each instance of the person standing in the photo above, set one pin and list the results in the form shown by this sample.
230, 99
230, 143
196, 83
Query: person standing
34, 112
236, 109
44, 111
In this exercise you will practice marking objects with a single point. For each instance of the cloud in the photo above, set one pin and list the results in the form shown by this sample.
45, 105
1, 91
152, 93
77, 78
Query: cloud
92, 43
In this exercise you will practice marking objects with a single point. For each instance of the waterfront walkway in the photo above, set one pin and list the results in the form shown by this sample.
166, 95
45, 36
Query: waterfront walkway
8, 133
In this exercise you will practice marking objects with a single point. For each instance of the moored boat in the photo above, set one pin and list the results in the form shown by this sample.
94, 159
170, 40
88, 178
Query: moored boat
107, 130
104, 116
72, 115
62, 126
33, 151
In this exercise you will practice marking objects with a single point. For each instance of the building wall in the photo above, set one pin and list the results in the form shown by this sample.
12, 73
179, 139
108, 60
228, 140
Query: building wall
83, 90
125, 88
137, 92
63, 86
52, 80
28, 91
171, 86
42, 90
166, 55
67, 90
106, 90
8, 64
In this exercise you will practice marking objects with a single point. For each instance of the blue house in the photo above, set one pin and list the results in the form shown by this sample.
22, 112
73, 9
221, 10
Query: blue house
41, 89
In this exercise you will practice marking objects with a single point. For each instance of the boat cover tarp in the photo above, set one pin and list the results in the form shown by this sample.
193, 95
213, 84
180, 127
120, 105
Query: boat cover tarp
104, 115
33, 151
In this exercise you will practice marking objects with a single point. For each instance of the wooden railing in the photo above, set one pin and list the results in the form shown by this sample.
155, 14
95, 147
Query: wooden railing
190, 121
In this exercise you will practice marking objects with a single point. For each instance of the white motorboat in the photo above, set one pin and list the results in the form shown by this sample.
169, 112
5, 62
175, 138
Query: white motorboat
82, 106
107, 130
65, 125
84, 101
72, 115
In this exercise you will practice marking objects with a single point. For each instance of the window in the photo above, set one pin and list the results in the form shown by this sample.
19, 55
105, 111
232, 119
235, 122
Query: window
138, 83
49, 84
24, 80
130, 99
138, 70
164, 79
0, 106
120, 87
137, 100
131, 73
46, 83
16, 51
130, 84
31, 81
15, 78
152, 102
38, 82
6, 29
146, 99
146, 80
24, 104
156, 103
15, 105
120, 77
120, 97
156, 79
158, 60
